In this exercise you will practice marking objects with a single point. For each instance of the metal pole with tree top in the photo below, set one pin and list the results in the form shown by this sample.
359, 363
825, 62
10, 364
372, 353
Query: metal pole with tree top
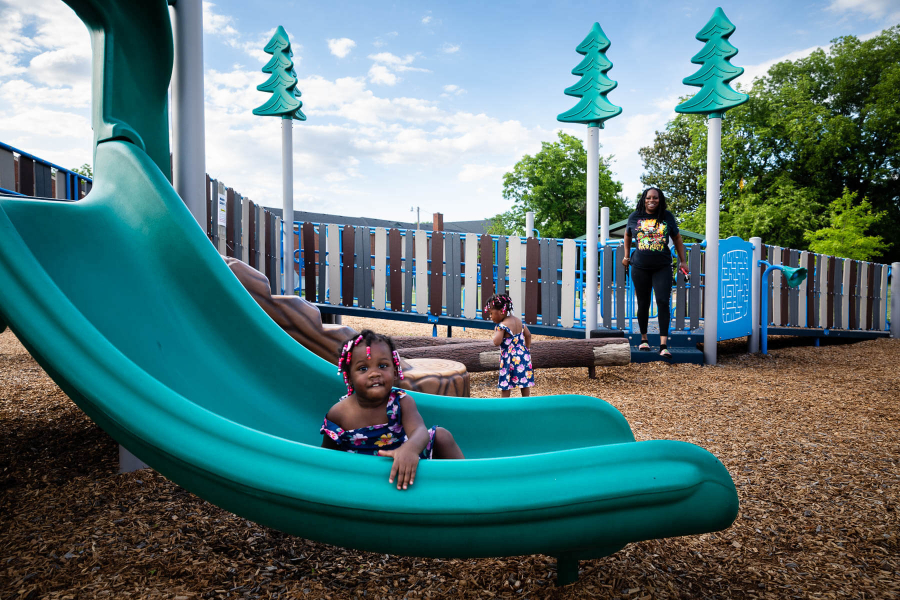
593, 109
285, 103
713, 99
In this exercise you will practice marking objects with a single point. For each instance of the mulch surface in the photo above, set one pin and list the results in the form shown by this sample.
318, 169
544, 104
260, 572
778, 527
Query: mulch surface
810, 436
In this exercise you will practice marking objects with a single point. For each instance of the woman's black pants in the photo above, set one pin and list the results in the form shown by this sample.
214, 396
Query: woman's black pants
659, 280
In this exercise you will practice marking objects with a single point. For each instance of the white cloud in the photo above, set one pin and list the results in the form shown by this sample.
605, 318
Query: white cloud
380, 42
341, 47
426, 20
888, 10
452, 90
479, 172
449, 48
380, 75
397, 63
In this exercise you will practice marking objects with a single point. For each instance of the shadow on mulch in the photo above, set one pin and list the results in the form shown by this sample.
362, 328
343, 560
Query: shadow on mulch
809, 435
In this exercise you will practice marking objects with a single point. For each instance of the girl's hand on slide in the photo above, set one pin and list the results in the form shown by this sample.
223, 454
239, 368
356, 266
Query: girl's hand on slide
404, 467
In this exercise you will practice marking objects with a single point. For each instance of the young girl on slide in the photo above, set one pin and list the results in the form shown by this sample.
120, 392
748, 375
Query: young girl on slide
514, 340
375, 418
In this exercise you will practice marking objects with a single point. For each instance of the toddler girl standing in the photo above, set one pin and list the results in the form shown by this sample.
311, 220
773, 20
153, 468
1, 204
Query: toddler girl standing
514, 340
370, 365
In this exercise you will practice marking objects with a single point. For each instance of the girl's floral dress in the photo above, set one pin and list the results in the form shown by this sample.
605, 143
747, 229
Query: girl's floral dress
371, 439
515, 362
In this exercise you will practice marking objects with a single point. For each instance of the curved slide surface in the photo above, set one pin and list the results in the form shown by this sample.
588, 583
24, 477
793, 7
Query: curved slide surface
125, 303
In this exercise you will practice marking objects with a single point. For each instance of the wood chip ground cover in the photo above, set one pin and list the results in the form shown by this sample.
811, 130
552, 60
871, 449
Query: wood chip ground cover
810, 436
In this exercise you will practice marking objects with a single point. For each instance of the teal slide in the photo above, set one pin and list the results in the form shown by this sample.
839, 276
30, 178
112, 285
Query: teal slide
125, 303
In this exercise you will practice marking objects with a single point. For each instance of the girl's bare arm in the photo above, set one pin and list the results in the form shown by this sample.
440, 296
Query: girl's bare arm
527, 336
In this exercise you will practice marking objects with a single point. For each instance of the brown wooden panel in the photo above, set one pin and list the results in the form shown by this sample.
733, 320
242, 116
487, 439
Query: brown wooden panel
829, 320
395, 267
347, 275
870, 294
487, 267
26, 176
229, 222
853, 292
811, 268
532, 271
435, 281
296, 247
309, 260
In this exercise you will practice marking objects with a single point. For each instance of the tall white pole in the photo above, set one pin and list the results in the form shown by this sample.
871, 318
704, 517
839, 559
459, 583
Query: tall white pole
895, 300
529, 224
287, 192
755, 297
711, 306
593, 202
188, 123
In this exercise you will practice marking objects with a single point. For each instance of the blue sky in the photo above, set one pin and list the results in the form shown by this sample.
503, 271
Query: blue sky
410, 103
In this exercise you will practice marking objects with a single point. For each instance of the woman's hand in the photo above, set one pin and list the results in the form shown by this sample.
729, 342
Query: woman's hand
682, 266
404, 468
626, 261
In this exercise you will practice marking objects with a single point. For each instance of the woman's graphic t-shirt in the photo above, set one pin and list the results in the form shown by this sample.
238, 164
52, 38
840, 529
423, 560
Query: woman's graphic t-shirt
651, 235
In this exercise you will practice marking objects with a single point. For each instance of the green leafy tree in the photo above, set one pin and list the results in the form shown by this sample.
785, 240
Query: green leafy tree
552, 183
85, 170
282, 82
846, 233
670, 165
811, 128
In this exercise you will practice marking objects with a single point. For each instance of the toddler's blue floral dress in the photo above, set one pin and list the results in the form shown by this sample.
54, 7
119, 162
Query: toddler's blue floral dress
515, 362
371, 439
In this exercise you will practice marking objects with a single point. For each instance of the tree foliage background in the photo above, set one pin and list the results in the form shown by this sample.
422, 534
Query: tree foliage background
553, 184
818, 139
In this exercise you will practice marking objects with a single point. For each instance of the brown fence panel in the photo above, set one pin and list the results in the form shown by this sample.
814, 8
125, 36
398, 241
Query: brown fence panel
308, 233
853, 317
395, 267
487, 267
26, 176
870, 294
348, 242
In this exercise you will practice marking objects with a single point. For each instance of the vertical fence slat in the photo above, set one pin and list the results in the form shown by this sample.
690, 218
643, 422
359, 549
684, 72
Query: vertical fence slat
245, 230
251, 235
606, 286
516, 283
852, 301
876, 298
532, 290
793, 293
487, 267
43, 180
26, 176
775, 285
436, 283
821, 290
621, 287
8, 171
865, 297
361, 275
846, 291
680, 300
422, 293
396, 265
457, 277
694, 293
544, 245
276, 256
501, 265
802, 291
210, 211
229, 222
309, 260
322, 261
260, 238
380, 275
556, 289
238, 225
333, 239
222, 218
840, 312
471, 304
567, 300
882, 312
408, 275
348, 280
267, 247
450, 295
830, 304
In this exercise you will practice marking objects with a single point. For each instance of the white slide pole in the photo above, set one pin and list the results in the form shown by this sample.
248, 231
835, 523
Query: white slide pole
604, 224
188, 122
593, 202
529, 224
287, 192
711, 308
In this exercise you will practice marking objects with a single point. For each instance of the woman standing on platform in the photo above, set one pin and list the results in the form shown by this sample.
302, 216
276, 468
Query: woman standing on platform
651, 266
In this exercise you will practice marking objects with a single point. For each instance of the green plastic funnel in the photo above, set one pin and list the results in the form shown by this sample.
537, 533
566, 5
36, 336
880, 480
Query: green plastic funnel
794, 275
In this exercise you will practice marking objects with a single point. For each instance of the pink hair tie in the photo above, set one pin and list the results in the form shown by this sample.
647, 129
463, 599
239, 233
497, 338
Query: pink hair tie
397, 364
368, 352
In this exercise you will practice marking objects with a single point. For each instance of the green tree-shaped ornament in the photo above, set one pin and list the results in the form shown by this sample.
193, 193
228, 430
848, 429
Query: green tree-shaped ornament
715, 95
282, 82
593, 108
